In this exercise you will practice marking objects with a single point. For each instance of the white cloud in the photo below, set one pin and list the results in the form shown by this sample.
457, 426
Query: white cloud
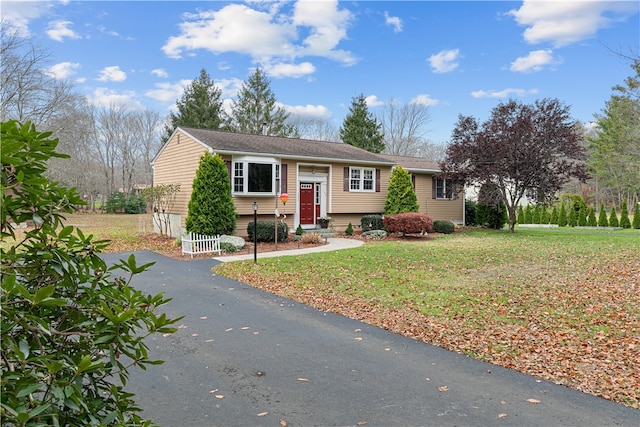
58, 30
63, 70
104, 97
535, 61
373, 101
308, 111
445, 61
112, 74
290, 70
394, 21
504, 93
168, 92
267, 36
566, 22
19, 13
160, 72
425, 99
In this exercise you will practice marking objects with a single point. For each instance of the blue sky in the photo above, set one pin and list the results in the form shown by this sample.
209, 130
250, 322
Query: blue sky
455, 57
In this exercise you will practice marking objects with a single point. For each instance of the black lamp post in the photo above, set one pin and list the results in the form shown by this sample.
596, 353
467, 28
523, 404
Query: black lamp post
255, 231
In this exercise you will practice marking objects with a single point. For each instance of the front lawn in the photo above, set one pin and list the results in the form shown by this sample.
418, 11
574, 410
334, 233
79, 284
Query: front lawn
561, 305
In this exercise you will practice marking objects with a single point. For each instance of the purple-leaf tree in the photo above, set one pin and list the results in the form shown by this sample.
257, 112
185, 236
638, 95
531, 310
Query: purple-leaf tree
525, 150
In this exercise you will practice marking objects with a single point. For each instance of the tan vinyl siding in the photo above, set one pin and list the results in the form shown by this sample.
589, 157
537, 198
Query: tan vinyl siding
354, 202
450, 210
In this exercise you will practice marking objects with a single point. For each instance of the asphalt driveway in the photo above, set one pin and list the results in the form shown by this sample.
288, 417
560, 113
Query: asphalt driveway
243, 357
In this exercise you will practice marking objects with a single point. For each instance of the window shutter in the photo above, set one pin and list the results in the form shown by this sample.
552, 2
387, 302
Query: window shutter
283, 178
433, 187
228, 165
345, 185
413, 181
377, 180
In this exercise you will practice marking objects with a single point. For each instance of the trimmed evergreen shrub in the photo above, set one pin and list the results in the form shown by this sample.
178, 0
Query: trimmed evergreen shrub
572, 219
528, 215
554, 216
535, 215
492, 217
545, 215
582, 216
371, 222
265, 231
636, 216
211, 210
574, 201
602, 217
520, 216
591, 218
624, 216
349, 230
299, 230
401, 196
135, 205
408, 223
562, 217
613, 218
444, 227
470, 212
228, 247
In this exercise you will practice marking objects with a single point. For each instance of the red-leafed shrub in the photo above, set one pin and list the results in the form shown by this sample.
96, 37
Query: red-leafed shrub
408, 223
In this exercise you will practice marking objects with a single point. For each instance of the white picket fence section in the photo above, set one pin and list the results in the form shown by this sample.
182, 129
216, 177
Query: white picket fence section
194, 244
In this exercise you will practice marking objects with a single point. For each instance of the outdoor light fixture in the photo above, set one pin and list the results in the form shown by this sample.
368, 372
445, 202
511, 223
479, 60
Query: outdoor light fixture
255, 232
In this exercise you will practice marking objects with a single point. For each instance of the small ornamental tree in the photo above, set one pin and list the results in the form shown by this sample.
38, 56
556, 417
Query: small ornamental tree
572, 218
602, 217
636, 216
520, 217
624, 216
211, 209
591, 218
613, 218
71, 329
408, 223
401, 196
554, 216
162, 198
562, 216
582, 216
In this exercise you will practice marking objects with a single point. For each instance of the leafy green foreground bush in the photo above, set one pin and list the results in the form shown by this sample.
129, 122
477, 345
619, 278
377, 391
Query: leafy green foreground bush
265, 231
444, 227
371, 222
70, 328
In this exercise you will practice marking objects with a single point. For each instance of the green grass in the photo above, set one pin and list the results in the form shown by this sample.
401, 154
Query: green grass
558, 304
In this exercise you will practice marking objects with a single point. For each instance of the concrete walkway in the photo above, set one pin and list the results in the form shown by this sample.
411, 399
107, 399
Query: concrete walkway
333, 244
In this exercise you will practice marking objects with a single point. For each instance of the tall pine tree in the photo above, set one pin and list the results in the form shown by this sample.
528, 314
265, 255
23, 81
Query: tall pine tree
200, 106
211, 209
255, 106
401, 197
360, 128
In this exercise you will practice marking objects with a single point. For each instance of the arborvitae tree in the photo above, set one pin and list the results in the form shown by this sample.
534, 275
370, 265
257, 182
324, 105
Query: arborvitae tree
582, 216
256, 106
572, 218
528, 215
591, 218
401, 196
562, 216
613, 218
602, 217
520, 217
636, 216
211, 209
624, 216
200, 106
360, 128
490, 210
554, 216
535, 214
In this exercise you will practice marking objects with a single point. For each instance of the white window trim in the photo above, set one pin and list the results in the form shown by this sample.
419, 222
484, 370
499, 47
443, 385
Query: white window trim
361, 188
245, 160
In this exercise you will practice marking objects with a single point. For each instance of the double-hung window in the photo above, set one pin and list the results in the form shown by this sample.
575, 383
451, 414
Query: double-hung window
444, 189
361, 179
255, 175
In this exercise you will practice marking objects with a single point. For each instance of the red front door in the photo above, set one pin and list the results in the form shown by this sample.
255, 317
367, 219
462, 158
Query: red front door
307, 203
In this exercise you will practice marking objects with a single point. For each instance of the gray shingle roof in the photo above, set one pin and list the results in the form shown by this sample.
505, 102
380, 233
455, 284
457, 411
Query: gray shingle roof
413, 163
237, 143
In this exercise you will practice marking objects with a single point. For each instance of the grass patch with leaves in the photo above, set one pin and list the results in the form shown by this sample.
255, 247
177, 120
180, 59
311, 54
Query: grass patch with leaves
564, 306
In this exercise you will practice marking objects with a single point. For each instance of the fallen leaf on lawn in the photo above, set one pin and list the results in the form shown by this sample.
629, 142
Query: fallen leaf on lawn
203, 317
228, 330
303, 379
502, 415
443, 388
283, 423
209, 340
262, 414
534, 401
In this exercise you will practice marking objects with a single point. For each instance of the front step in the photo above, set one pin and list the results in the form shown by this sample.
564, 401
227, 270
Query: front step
325, 233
